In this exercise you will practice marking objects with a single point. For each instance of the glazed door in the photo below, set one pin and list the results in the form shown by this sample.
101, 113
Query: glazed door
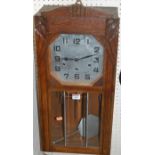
75, 119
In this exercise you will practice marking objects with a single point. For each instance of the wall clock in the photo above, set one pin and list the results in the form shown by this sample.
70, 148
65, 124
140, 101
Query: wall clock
76, 51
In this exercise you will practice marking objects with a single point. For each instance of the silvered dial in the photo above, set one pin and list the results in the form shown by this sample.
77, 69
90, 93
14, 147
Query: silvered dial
77, 59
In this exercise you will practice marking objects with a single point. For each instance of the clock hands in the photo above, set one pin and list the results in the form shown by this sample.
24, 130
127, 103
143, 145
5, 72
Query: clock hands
77, 59
88, 56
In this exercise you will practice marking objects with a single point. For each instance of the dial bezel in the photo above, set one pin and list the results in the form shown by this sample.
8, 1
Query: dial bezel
99, 78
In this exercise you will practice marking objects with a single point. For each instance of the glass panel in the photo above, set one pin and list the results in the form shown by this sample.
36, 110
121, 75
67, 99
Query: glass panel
76, 119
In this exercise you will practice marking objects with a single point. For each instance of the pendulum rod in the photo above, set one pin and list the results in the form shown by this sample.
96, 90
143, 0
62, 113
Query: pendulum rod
65, 135
86, 121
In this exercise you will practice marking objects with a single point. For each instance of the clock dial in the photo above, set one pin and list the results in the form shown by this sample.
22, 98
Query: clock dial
77, 59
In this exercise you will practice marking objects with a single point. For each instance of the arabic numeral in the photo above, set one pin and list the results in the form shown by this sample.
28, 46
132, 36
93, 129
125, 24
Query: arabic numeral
88, 41
57, 48
65, 40
96, 60
66, 75
96, 69
57, 58
77, 76
96, 49
87, 76
76, 41
57, 68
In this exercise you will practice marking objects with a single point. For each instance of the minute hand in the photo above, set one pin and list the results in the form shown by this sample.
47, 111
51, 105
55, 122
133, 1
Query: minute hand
86, 57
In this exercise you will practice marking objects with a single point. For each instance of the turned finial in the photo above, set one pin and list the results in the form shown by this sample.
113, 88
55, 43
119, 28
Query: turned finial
79, 2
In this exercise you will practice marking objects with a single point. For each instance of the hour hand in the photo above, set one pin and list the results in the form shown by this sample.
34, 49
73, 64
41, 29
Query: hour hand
67, 59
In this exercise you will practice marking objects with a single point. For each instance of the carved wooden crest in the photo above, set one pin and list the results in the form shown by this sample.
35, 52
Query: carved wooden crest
112, 28
40, 26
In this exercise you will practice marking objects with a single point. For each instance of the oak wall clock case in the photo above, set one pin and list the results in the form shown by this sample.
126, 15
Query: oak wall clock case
76, 53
